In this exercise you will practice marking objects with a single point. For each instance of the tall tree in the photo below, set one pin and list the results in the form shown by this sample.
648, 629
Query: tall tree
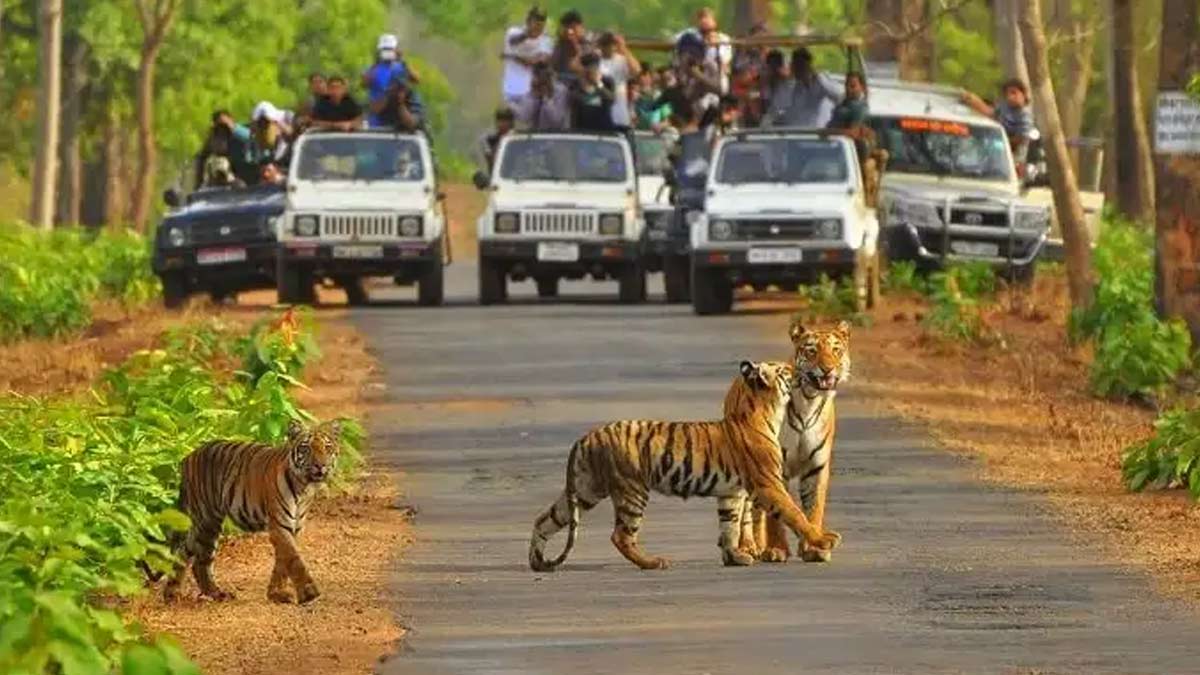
747, 13
49, 77
1177, 230
1135, 165
1067, 205
900, 31
155, 17
70, 187
1074, 27
1007, 34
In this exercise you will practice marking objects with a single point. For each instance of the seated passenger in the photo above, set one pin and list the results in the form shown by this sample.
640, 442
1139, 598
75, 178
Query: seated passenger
1012, 113
271, 175
546, 106
317, 89
337, 111
389, 68
592, 99
218, 173
400, 109
850, 118
806, 99
231, 141
271, 129
490, 142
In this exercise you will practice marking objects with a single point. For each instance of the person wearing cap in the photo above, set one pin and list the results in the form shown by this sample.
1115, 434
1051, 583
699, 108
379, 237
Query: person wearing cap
592, 99
271, 129
718, 47
569, 48
804, 100
618, 64
338, 111
389, 67
524, 47
490, 141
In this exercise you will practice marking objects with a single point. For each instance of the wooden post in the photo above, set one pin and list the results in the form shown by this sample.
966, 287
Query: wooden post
1177, 172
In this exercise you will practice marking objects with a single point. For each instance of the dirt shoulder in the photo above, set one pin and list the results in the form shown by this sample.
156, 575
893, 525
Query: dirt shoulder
351, 540
1022, 407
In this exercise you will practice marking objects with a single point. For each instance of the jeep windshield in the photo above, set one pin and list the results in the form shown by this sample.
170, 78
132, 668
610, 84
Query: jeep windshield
944, 148
570, 160
782, 160
651, 153
360, 158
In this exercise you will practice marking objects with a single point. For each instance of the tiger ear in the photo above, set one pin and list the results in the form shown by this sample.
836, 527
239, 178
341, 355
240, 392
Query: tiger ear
796, 331
334, 429
751, 374
295, 428
843, 330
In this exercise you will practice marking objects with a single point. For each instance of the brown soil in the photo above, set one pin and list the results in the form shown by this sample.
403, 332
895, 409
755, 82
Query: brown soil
1022, 406
464, 203
350, 541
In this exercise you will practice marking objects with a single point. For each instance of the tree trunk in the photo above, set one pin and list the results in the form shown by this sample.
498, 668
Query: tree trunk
1135, 165
70, 193
49, 76
1067, 205
1007, 35
881, 44
801, 26
916, 52
747, 13
147, 152
114, 150
1077, 31
1177, 229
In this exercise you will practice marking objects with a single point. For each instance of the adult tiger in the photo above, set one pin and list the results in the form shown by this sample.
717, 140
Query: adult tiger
727, 458
259, 487
822, 360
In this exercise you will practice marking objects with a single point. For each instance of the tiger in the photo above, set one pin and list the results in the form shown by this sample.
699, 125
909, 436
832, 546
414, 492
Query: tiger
822, 362
736, 459
259, 487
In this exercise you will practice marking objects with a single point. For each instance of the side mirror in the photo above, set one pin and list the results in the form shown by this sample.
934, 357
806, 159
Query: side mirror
481, 180
172, 198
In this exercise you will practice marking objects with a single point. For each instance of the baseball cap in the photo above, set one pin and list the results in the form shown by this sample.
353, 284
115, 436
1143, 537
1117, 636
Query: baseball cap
387, 41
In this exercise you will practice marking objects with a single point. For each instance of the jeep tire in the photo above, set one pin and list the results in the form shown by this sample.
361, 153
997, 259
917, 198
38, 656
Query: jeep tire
293, 284
174, 289
711, 292
547, 286
493, 284
632, 284
677, 278
431, 286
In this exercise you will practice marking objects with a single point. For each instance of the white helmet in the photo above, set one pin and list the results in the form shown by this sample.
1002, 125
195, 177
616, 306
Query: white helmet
387, 41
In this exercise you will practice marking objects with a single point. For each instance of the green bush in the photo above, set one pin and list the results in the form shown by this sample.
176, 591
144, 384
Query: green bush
1137, 353
904, 277
90, 487
1170, 457
48, 281
956, 295
832, 300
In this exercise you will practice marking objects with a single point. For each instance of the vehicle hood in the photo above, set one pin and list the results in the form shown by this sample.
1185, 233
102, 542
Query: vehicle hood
933, 188
777, 200
235, 205
360, 196
539, 196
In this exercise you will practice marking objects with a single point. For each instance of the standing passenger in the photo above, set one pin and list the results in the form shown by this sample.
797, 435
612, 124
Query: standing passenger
389, 67
807, 99
524, 47
620, 66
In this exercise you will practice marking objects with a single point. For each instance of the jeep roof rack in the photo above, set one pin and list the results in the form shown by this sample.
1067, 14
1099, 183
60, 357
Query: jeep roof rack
743, 134
570, 132
667, 44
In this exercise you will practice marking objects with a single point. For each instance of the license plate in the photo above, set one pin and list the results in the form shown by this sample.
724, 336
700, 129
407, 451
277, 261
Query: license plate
553, 251
358, 251
655, 234
217, 256
773, 256
976, 248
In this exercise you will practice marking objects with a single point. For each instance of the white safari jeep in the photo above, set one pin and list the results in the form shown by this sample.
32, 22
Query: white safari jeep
951, 190
361, 204
784, 206
560, 205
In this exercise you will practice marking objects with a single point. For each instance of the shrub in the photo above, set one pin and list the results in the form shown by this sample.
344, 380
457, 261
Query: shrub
832, 300
1137, 353
956, 294
1170, 457
904, 277
90, 487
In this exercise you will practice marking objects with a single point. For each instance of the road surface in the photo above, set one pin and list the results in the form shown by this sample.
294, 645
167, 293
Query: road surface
938, 573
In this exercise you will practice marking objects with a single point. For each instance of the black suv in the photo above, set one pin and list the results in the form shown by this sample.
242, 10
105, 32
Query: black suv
221, 241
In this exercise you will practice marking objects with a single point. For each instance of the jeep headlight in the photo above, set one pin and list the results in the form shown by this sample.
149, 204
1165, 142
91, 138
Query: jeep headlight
410, 226
720, 230
305, 226
611, 224
830, 228
176, 236
507, 223
1038, 219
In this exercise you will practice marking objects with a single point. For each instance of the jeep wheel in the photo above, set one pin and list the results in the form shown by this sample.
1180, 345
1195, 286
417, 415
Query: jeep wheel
431, 286
356, 292
677, 278
175, 290
711, 293
547, 287
632, 284
293, 285
493, 286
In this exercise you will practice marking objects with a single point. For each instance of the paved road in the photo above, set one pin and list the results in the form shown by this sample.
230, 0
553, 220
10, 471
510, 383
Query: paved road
937, 572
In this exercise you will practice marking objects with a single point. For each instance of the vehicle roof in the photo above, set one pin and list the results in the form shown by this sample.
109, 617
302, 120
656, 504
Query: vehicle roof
789, 132
567, 133
414, 135
666, 45
909, 99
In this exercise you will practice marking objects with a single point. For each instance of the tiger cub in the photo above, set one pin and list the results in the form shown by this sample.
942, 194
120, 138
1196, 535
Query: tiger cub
726, 459
822, 361
259, 487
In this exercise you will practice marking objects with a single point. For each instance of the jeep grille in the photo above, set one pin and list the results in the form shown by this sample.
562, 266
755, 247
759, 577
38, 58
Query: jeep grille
358, 225
776, 230
558, 222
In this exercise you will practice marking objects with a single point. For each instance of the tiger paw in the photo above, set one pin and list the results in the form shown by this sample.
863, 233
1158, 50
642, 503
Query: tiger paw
217, 595
656, 564
737, 558
280, 595
816, 555
773, 555
307, 593
828, 540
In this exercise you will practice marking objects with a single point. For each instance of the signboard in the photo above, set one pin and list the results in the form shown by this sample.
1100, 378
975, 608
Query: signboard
934, 126
1176, 124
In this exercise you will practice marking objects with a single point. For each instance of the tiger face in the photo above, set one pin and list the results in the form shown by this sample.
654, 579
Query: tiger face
313, 452
770, 381
822, 356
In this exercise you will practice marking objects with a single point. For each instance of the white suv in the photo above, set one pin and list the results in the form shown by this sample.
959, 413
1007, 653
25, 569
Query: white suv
361, 204
783, 207
561, 205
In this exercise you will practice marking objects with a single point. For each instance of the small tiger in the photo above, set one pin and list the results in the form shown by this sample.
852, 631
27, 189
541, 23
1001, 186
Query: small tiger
822, 361
727, 459
259, 487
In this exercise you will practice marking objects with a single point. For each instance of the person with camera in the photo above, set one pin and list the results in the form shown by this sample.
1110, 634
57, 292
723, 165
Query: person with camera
337, 110
620, 66
524, 47
547, 105
400, 110
592, 99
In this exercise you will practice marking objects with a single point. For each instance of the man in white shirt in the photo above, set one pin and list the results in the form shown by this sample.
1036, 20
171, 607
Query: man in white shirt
718, 46
619, 65
524, 47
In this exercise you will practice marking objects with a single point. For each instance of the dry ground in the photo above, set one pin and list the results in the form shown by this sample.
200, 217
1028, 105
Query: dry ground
350, 541
1023, 408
